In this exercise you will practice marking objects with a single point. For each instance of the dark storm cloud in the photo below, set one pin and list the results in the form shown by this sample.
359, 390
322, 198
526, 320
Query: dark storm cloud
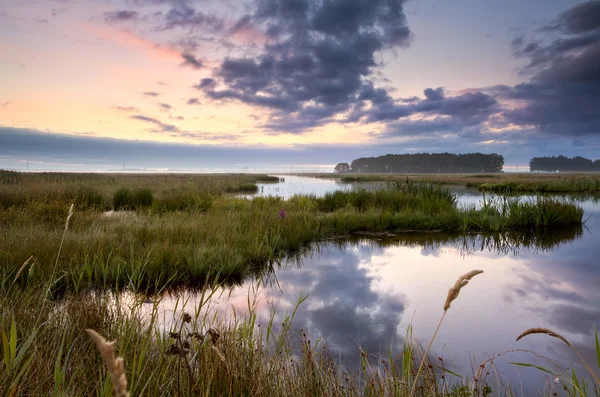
467, 109
162, 127
190, 60
150, 93
581, 18
563, 94
318, 60
119, 16
470, 108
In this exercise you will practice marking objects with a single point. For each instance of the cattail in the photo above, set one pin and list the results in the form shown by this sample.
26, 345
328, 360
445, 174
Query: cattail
543, 331
461, 282
69, 217
116, 366
23, 266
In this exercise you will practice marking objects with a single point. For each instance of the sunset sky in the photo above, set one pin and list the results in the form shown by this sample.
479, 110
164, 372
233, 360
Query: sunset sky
266, 83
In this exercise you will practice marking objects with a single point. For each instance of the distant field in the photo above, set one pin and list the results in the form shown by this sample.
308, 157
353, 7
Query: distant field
505, 182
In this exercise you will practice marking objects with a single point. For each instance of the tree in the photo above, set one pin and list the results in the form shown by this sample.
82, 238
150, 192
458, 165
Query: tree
342, 167
562, 163
430, 163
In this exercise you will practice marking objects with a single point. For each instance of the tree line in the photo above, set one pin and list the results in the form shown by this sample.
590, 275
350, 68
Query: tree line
425, 163
562, 163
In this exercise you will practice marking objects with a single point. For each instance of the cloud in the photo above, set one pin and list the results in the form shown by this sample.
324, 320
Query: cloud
127, 108
185, 17
193, 101
316, 60
162, 127
151, 93
563, 93
165, 107
120, 16
581, 18
190, 60
4, 104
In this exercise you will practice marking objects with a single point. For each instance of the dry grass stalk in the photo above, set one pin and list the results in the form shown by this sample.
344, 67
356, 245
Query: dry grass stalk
544, 331
69, 217
562, 338
452, 295
461, 282
116, 366
23, 266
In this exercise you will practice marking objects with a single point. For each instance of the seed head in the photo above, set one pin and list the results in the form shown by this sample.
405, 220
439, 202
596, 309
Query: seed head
543, 331
461, 282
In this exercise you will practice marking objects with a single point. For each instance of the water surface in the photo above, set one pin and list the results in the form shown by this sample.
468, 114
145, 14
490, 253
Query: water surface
368, 292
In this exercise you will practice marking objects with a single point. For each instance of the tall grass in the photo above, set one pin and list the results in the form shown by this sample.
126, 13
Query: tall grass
187, 238
199, 353
498, 183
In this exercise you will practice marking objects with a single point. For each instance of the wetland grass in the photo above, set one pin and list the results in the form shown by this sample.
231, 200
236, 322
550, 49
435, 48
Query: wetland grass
199, 353
504, 183
184, 237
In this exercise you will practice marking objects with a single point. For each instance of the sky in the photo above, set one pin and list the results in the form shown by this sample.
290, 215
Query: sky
278, 84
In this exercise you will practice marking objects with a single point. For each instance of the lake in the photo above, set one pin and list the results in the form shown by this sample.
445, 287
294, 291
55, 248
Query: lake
367, 292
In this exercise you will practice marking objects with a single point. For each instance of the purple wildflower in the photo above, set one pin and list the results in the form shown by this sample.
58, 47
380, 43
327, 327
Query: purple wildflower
282, 213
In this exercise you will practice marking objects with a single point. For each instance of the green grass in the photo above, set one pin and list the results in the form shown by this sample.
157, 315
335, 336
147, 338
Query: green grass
574, 184
499, 183
190, 232
188, 237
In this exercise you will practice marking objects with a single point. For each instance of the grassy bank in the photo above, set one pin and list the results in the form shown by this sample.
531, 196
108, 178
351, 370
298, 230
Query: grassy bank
46, 351
189, 240
501, 183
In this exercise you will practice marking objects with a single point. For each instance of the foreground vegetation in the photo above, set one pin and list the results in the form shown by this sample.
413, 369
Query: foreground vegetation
186, 238
58, 280
46, 351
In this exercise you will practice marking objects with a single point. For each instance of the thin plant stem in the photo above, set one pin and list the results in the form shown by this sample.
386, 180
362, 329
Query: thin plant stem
427, 352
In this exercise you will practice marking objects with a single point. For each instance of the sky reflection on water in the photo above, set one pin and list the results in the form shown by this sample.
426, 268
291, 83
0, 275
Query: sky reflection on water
367, 292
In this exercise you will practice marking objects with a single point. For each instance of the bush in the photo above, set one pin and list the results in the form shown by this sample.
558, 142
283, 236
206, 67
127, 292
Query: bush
142, 198
123, 199
127, 200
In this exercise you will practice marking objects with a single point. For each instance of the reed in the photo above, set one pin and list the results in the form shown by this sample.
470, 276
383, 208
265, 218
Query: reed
553, 334
453, 292
116, 366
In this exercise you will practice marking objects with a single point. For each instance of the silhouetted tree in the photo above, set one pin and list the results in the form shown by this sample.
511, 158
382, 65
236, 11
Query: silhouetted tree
562, 163
342, 167
429, 163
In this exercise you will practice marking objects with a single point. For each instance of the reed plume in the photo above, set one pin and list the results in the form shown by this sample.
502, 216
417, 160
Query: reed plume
461, 282
116, 366
553, 334
452, 295
23, 267
543, 331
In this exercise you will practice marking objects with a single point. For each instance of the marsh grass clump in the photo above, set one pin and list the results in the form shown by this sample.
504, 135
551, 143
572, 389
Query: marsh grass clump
122, 199
126, 199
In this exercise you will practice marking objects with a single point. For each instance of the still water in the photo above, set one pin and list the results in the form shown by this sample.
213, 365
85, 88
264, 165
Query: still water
368, 292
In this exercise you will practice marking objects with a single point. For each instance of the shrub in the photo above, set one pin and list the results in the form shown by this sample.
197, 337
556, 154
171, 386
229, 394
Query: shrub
123, 199
142, 198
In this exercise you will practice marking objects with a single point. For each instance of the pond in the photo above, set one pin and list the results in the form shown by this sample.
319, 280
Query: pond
367, 292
